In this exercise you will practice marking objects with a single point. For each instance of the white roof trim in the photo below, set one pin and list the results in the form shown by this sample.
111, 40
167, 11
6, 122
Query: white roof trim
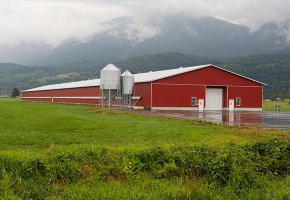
78, 84
138, 78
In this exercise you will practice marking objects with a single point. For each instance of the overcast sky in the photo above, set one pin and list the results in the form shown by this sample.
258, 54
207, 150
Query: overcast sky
52, 21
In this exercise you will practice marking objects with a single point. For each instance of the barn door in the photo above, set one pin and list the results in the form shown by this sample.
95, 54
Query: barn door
214, 99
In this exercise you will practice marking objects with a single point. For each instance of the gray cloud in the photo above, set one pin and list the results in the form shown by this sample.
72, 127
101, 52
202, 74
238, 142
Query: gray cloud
53, 21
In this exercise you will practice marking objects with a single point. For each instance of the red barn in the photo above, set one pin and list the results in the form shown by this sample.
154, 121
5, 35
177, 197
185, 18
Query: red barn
186, 88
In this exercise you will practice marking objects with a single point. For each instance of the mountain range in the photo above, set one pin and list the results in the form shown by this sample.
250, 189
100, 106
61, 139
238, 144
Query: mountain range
125, 37
272, 69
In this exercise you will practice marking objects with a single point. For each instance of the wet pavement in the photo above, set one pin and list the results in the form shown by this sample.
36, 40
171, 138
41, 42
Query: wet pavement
276, 120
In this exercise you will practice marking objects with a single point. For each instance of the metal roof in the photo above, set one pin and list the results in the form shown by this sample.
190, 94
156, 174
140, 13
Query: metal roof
78, 84
156, 75
138, 78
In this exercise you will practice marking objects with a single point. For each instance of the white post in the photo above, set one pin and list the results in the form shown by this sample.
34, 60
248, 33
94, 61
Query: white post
109, 98
102, 98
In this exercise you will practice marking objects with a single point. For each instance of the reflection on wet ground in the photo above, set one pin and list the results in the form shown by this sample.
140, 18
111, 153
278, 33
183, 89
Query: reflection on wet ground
277, 120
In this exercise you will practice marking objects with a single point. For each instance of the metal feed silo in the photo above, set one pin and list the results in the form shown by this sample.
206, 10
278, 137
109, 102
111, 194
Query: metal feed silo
110, 85
127, 88
127, 83
110, 77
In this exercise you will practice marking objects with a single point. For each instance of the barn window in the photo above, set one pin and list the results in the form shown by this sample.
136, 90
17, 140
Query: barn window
193, 101
238, 101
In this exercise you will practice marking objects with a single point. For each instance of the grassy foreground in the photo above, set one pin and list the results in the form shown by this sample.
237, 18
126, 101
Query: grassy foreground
52, 151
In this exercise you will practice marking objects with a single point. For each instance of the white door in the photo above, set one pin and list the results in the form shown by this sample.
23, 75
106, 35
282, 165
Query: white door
231, 104
214, 99
200, 104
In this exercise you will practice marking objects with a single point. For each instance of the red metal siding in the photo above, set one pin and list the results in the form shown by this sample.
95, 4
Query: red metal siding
77, 101
175, 90
37, 100
143, 90
251, 97
208, 76
165, 95
72, 92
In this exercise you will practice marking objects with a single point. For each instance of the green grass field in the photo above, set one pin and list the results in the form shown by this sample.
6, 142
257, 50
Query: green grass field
269, 106
54, 151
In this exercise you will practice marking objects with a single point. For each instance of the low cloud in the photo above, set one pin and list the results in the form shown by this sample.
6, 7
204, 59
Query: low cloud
52, 21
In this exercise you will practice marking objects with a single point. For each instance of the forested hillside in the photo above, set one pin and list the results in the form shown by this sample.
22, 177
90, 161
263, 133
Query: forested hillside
25, 77
153, 62
272, 69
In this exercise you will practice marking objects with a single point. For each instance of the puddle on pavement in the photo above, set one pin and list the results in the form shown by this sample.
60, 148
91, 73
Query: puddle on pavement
277, 120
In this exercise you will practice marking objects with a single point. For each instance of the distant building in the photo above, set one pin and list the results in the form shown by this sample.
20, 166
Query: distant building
205, 87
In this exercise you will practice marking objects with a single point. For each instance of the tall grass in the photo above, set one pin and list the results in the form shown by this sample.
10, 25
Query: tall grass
230, 171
